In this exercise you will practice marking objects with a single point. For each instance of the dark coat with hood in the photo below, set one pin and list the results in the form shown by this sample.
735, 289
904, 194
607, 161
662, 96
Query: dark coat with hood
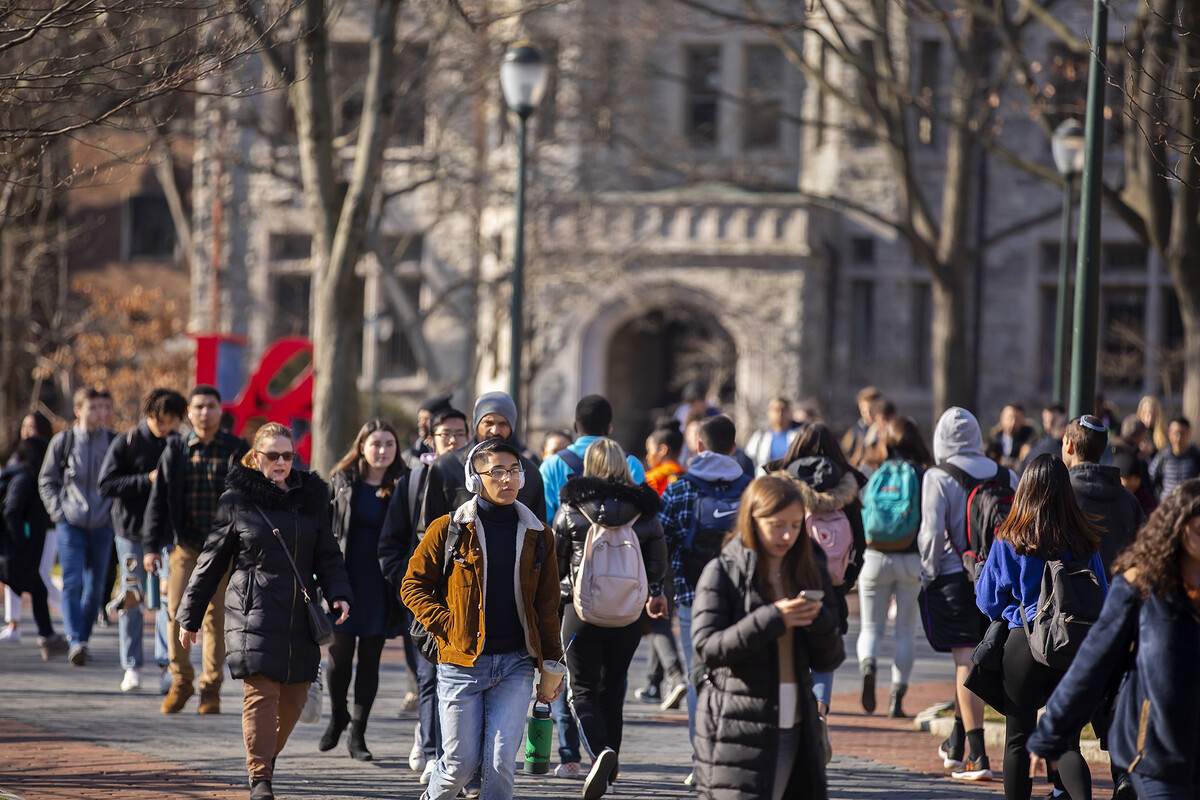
266, 623
24, 518
1099, 491
125, 477
736, 629
608, 503
344, 490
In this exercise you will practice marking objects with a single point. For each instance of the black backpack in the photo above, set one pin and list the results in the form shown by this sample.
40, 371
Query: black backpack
989, 501
716, 513
1068, 606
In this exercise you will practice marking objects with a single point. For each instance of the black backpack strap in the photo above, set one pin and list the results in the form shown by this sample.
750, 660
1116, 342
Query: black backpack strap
574, 462
64, 457
964, 478
453, 537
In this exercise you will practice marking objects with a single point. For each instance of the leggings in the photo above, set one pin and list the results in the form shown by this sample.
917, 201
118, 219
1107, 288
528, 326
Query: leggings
366, 682
599, 666
1027, 686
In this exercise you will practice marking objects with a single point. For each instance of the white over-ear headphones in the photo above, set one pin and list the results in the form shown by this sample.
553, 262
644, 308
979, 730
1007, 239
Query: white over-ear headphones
474, 484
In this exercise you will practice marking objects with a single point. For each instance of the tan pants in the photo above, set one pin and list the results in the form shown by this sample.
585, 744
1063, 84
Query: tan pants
183, 563
269, 712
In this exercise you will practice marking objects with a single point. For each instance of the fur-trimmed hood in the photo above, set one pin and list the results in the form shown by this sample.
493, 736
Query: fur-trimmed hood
610, 502
837, 489
306, 492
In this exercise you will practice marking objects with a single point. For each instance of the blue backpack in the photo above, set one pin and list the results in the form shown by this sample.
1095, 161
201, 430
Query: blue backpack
716, 513
891, 506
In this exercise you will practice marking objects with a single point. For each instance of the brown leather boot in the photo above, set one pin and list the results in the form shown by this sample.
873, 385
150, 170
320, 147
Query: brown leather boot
210, 701
177, 697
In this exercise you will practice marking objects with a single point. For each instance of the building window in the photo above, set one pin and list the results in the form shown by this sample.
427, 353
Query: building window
397, 356
862, 320
922, 334
1123, 257
822, 61
412, 68
862, 250
289, 246
1050, 252
1122, 337
546, 117
1048, 309
349, 69
601, 90
290, 299
762, 92
1066, 76
928, 84
703, 83
150, 231
867, 87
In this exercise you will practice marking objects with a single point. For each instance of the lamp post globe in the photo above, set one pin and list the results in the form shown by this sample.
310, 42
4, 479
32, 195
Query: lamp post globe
1067, 145
524, 74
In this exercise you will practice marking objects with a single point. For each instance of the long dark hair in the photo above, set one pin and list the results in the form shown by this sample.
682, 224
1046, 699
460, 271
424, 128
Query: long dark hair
355, 464
1045, 519
815, 439
763, 497
1156, 555
903, 438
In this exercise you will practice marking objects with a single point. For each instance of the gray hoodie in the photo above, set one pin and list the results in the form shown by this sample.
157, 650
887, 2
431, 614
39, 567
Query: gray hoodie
72, 494
956, 440
710, 466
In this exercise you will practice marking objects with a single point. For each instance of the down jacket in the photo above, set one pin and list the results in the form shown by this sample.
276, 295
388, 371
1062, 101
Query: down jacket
735, 630
614, 504
266, 623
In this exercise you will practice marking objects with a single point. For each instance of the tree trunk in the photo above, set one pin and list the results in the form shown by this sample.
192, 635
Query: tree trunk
949, 341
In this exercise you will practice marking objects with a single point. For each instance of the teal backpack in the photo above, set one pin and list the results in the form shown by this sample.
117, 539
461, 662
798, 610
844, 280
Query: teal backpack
891, 506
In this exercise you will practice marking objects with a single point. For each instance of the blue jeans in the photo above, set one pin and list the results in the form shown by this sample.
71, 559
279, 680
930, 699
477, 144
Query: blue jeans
162, 622
568, 730
883, 576
482, 710
822, 686
1153, 789
84, 557
427, 713
689, 660
129, 619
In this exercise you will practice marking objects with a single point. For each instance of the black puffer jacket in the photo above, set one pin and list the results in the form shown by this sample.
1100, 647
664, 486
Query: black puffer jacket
266, 624
736, 631
341, 509
608, 503
1099, 491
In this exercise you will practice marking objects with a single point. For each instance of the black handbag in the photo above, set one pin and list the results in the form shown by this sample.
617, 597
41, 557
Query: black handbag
986, 678
319, 625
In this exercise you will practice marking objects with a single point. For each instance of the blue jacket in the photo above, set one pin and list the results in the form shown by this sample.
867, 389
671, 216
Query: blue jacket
1008, 579
1155, 731
555, 472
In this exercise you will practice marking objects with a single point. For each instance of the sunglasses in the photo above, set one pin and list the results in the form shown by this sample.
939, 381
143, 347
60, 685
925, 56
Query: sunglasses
273, 456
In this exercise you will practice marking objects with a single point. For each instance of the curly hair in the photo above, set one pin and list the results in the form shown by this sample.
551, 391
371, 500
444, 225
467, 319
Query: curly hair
1156, 554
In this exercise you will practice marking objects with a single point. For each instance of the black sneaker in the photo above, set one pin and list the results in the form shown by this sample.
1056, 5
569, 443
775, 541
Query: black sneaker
261, 790
974, 769
1124, 789
952, 757
597, 780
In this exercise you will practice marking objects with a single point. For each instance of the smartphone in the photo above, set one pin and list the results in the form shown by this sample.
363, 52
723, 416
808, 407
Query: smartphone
815, 595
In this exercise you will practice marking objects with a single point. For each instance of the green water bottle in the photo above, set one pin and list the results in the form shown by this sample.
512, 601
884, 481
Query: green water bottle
538, 738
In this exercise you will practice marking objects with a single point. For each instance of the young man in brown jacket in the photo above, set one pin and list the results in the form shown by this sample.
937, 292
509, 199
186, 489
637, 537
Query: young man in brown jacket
494, 621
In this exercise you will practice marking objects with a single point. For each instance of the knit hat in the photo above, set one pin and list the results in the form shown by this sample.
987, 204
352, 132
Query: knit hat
495, 403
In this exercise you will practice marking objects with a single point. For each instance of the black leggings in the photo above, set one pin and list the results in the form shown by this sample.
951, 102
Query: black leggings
366, 683
1027, 686
598, 663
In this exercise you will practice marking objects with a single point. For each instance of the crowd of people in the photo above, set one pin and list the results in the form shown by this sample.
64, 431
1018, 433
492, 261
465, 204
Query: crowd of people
1027, 557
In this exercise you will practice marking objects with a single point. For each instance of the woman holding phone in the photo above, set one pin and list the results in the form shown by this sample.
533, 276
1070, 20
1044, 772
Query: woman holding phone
764, 615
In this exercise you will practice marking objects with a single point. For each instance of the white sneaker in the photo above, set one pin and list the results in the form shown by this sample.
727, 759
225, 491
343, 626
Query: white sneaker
10, 635
132, 680
416, 756
427, 773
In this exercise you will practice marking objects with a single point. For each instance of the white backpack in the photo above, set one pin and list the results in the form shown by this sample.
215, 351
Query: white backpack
610, 587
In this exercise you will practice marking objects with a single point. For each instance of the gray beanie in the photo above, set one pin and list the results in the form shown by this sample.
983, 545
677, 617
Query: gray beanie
495, 403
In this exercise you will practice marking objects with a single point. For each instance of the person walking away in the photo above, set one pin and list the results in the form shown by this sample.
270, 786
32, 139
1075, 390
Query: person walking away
771, 443
764, 619
605, 494
271, 526
892, 567
1177, 462
361, 487
397, 542
69, 485
24, 524
179, 516
1147, 643
947, 602
1098, 488
1045, 524
493, 618
129, 470
698, 511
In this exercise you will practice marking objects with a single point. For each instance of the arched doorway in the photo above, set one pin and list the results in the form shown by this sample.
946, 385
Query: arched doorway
653, 355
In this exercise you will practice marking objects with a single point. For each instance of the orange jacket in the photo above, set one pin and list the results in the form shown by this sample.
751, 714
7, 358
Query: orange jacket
663, 476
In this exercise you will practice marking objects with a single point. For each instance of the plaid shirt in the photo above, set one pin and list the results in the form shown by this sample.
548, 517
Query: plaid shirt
677, 516
205, 469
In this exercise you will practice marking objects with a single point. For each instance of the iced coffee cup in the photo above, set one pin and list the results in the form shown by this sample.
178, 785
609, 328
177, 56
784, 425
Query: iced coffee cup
552, 676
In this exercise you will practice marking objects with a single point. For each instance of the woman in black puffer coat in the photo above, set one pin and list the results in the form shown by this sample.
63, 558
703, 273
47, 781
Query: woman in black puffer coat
757, 730
267, 637
598, 661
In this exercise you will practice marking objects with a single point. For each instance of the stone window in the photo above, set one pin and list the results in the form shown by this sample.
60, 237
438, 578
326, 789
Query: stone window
546, 116
862, 250
289, 246
1122, 337
412, 68
397, 358
289, 303
928, 87
762, 97
149, 231
702, 65
922, 335
862, 325
867, 87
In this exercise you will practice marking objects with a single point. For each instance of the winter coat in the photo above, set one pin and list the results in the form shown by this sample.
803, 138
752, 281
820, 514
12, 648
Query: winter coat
163, 523
609, 503
1099, 492
69, 483
446, 487
1009, 581
457, 620
398, 539
24, 525
266, 622
1154, 732
1168, 470
735, 630
125, 477
943, 532
341, 511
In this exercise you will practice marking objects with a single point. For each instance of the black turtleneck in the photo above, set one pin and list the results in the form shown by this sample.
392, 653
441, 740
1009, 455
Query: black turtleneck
501, 620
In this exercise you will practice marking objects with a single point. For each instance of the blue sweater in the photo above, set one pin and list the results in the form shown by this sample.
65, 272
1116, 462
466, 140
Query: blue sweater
1008, 579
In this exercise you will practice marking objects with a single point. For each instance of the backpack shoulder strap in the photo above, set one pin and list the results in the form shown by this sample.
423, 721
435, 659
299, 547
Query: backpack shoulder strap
1002, 476
959, 474
574, 462
453, 537
68, 441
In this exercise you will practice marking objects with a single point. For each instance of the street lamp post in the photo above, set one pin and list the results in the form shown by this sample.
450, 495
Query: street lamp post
1087, 267
523, 78
1067, 147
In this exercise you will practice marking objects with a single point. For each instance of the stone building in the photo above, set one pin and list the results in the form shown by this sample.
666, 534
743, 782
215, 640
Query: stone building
676, 229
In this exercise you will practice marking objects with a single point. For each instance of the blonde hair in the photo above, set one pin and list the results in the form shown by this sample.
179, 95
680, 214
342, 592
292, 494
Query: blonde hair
1159, 432
268, 431
605, 459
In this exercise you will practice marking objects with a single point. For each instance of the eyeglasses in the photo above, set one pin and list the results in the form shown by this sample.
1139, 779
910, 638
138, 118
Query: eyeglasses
273, 456
500, 473
450, 435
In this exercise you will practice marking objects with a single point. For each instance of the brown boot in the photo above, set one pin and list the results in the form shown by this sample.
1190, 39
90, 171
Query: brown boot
210, 701
177, 697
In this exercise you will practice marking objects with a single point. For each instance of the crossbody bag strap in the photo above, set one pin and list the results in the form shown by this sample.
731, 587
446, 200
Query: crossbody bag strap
286, 552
